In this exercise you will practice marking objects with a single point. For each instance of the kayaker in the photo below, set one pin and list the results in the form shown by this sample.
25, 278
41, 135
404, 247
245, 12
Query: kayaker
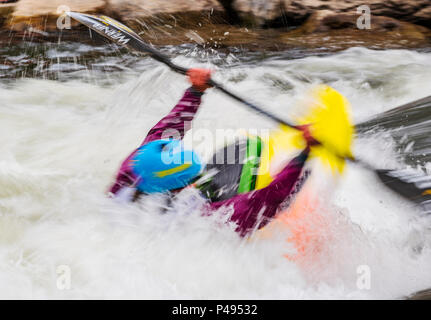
164, 165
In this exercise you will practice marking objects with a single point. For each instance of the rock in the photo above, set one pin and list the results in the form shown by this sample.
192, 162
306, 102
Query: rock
6, 8
423, 17
42, 15
171, 22
147, 14
204, 21
257, 12
295, 12
272, 13
139, 9
231, 14
325, 20
324, 28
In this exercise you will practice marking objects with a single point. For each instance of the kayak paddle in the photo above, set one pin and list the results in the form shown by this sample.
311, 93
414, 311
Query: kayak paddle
124, 36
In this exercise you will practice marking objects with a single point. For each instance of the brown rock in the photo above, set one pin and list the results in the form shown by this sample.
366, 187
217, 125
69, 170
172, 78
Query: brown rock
159, 13
170, 22
325, 20
258, 12
42, 15
325, 28
423, 17
139, 8
6, 9
32, 8
155, 14
295, 12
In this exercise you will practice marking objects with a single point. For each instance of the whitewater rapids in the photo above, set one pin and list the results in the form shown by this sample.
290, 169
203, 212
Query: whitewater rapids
61, 143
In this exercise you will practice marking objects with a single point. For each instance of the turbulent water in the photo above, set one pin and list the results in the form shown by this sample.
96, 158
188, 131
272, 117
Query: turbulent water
69, 117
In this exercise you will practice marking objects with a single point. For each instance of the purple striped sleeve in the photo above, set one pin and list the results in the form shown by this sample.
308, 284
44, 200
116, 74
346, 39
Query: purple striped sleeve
178, 118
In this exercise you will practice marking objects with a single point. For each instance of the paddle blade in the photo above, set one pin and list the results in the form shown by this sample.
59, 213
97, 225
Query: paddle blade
328, 113
107, 27
410, 184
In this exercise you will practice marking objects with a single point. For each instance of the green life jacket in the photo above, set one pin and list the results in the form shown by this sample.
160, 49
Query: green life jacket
232, 170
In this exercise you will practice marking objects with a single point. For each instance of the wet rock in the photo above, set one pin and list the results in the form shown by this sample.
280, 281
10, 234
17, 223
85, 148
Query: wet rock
325, 20
325, 28
295, 12
271, 12
138, 9
5, 10
166, 18
231, 14
423, 17
42, 15
204, 22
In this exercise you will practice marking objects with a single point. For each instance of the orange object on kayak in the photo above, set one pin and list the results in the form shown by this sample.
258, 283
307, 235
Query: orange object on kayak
303, 225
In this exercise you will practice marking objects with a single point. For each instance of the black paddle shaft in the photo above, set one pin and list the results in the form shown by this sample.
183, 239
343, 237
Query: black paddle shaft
157, 55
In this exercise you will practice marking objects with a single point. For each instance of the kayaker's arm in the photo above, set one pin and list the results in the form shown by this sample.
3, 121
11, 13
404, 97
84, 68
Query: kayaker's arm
176, 120
179, 119
253, 210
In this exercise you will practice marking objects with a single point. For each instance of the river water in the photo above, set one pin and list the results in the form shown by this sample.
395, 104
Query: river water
70, 113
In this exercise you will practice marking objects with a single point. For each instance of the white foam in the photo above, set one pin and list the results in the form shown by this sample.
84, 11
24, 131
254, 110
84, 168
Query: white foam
61, 144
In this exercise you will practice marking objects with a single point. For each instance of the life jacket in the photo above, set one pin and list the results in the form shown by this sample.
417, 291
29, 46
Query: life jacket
233, 170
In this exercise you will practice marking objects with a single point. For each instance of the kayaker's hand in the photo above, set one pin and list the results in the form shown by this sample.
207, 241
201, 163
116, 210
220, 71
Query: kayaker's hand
308, 137
199, 78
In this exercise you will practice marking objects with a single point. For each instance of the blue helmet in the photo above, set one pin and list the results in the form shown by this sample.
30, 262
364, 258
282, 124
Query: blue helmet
164, 165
